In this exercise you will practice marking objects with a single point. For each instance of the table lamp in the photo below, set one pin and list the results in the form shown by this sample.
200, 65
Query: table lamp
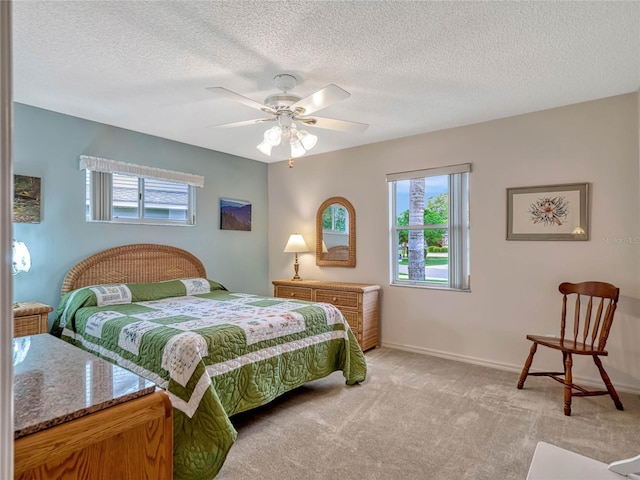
296, 244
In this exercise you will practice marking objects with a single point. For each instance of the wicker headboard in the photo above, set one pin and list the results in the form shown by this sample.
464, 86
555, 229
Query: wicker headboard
136, 263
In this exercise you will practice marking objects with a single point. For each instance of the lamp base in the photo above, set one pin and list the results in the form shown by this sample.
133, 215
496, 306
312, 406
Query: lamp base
296, 267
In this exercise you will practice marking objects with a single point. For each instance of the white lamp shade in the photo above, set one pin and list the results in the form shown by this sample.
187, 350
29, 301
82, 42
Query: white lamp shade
21, 259
273, 135
265, 147
297, 150
296, 244
307, 139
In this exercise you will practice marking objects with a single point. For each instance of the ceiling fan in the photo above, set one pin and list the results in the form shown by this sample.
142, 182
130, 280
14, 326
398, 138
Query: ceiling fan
290, 112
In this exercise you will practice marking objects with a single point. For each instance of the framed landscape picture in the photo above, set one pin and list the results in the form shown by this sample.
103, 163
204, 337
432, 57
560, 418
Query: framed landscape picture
235, 215
26, 199
551, 212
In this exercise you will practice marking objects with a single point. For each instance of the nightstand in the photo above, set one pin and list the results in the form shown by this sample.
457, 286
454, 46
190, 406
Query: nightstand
30, 318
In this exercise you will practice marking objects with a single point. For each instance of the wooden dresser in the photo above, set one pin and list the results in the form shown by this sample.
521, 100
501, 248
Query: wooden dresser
358, 302
80, 417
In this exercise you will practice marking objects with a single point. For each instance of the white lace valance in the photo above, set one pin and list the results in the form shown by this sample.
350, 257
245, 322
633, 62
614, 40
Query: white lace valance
97, 164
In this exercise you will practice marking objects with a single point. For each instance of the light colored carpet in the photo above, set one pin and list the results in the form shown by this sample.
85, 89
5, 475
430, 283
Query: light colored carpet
423, 417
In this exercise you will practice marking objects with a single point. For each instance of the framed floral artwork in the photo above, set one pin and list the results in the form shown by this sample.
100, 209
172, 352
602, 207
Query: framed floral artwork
550, 212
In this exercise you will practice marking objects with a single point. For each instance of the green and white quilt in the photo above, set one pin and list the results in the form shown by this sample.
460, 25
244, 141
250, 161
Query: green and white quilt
215, 352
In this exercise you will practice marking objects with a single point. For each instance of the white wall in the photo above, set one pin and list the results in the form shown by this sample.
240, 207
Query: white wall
514, 283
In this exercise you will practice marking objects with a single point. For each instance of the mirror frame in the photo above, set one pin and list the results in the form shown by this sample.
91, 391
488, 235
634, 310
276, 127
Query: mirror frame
351, 261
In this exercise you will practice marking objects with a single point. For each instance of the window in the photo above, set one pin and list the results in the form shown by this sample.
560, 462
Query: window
429, 220
335, 219
119, 192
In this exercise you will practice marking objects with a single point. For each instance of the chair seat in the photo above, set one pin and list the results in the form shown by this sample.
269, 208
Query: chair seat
566, 345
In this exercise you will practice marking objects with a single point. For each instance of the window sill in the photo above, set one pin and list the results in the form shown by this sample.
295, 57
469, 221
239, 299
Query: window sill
143, 222
429, 287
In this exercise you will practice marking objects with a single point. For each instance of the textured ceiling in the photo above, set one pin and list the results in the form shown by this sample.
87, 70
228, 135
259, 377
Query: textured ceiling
410, 66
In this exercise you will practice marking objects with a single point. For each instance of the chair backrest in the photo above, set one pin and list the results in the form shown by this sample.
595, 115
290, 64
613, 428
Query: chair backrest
595, 327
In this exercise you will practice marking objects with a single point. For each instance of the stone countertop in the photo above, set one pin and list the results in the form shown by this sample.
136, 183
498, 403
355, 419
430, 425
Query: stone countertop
55, 382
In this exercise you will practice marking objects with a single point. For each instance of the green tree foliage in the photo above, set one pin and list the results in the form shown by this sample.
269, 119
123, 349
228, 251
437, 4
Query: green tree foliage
435, 213
334, 218
440, 205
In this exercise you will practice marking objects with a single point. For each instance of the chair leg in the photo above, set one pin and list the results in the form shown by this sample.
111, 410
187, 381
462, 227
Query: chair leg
607, 382
568, 383
527, 366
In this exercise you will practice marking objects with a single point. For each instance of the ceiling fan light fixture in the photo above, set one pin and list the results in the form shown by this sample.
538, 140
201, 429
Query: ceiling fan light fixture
265, 147
307, 139
289, 110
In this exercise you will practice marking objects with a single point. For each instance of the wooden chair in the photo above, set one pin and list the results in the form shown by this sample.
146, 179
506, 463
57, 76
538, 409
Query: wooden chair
590, 341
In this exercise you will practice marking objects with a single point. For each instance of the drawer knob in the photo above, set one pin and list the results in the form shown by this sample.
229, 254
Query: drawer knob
335, 299
293, 294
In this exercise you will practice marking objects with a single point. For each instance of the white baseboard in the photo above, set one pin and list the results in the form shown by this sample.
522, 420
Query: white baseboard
587, 381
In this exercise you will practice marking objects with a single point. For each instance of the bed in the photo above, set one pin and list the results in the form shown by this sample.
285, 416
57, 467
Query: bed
151, 309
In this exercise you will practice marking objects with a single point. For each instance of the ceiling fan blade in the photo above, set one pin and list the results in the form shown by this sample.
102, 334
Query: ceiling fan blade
223, 92
334, 124
244, 123
321, 99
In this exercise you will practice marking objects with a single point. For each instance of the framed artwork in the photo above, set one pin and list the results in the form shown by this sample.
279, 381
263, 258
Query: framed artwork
551, 212
26, 199
235, 215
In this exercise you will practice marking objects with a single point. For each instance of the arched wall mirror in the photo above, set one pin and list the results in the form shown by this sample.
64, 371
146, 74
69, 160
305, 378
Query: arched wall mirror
336, 233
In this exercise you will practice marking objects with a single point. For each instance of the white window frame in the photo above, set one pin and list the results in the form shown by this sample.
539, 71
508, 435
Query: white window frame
110, 167
457, 228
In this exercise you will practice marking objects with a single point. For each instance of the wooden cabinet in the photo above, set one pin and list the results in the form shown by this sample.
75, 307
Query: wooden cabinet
132, 440
358, 302
30, 318
79, 417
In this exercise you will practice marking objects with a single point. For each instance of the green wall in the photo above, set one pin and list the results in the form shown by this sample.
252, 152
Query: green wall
47, 145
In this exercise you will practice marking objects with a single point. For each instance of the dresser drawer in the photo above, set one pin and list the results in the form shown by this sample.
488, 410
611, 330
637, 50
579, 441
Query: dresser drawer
338, 298
353, 319
299, 293
27, 325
